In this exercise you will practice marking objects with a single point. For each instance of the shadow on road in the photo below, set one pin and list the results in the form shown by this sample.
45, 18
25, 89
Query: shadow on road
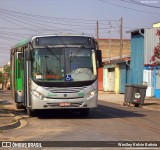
4, 102
105, 110
147, 104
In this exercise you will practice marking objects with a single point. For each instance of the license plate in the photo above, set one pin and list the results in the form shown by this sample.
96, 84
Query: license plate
64, 104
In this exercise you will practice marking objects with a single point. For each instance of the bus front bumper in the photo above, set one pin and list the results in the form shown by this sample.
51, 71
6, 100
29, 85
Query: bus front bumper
50, 103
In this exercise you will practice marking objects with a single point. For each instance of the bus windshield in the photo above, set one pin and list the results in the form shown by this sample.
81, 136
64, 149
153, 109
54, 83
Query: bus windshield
63, 64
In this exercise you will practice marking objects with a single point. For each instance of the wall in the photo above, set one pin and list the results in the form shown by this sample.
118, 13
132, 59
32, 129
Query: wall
115, 47
157, 82
100, 79
137, 59
117, 79
150, 41
148, 77
156, 25
109, 77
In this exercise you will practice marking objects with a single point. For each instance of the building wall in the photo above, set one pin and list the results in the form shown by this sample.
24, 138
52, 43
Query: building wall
117, 79
114, 46
111, 72
109, 77
157, 82
150, 42
148, 77
137, 59
105, 74
123, 77
100, 79
156, 25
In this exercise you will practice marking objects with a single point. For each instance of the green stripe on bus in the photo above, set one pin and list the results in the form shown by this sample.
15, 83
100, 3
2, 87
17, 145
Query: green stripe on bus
19, 73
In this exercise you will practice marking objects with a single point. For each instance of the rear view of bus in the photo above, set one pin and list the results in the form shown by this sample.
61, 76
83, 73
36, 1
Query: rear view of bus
55, 72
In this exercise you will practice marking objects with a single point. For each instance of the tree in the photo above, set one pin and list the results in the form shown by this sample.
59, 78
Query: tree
7, 71
1, 77
5, 75
155, 59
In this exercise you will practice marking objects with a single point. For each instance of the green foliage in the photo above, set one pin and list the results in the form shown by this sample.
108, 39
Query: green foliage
1, 77
6, 71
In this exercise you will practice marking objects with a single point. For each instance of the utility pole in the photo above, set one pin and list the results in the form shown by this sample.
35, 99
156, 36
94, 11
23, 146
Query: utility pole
109, 48
97, 34
121, 38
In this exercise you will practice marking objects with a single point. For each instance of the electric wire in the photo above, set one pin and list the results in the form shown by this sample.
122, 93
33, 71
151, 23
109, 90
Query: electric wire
108, 2
140, 3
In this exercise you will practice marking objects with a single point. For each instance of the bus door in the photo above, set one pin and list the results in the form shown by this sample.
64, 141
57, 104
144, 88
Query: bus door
19, 72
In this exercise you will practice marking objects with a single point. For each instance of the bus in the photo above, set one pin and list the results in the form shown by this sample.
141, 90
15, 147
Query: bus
55, 72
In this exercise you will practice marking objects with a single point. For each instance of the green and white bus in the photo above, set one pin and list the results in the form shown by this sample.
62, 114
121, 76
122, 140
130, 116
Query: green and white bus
55, 72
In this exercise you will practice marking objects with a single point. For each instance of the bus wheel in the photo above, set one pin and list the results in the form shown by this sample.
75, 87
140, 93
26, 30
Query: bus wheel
19, 106
136, 105
84, 112
30, 112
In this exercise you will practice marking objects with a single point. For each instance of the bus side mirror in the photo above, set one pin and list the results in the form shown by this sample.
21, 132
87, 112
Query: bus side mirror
99, 57
28, 54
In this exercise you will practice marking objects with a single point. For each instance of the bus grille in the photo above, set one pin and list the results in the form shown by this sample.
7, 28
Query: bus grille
65, 90
57, 105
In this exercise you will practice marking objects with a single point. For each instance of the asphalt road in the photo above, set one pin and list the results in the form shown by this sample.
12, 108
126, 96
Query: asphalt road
109, 122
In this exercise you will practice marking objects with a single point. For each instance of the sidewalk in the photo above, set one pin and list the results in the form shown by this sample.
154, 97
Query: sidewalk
150, 103
8, 119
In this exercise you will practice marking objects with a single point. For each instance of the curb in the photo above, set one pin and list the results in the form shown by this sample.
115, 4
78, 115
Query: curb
20, 122
11, 125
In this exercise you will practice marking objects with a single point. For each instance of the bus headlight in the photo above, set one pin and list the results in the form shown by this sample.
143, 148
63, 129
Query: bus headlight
37, 94
90, 95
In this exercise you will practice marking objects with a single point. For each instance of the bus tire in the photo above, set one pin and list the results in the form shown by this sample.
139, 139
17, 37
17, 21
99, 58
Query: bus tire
19, 106
30, 112
84, 112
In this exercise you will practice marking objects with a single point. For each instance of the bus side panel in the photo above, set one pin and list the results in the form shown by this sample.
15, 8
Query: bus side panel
19, 77
27, 84
12, 78
26, 81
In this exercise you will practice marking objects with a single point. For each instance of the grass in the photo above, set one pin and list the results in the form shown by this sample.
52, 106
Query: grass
13, 120
1, 131
1, 106
3, 110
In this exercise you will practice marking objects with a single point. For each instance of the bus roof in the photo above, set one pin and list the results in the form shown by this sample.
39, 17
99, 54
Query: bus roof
25, 41
47, 35
22, 42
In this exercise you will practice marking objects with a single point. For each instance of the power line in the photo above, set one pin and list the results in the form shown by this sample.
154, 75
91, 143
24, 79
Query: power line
14, 34
60, 19
37, 24
31, 20
40, 21
26, 23
128, 7
7, 38
41, 26
15, 23
139, 3
35, 20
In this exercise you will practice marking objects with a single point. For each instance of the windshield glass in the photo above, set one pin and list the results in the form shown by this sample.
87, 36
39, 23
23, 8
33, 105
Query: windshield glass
63, 64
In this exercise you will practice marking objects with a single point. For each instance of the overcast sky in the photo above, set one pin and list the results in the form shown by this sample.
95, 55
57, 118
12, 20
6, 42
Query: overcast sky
20, 19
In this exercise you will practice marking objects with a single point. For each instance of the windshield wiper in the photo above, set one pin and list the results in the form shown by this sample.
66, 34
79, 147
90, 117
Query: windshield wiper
79, 49
47, 47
